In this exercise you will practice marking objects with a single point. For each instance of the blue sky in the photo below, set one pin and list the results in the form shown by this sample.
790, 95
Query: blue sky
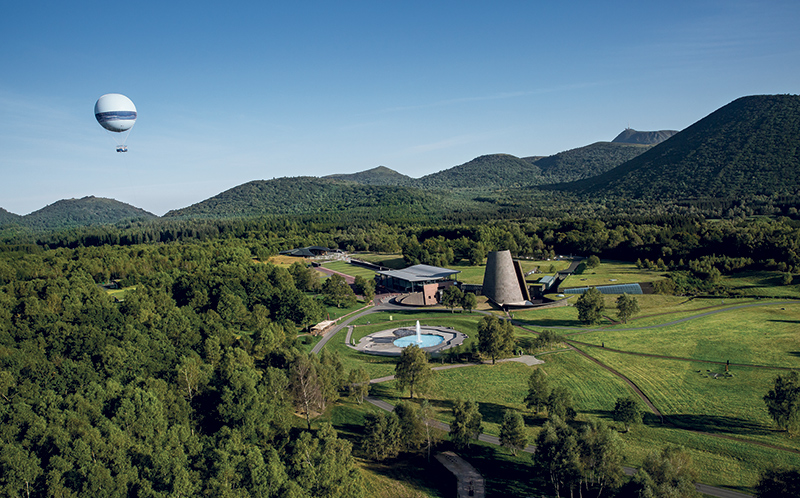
239, 91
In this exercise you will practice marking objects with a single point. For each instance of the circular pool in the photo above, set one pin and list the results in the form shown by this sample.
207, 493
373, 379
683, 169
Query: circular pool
425, 340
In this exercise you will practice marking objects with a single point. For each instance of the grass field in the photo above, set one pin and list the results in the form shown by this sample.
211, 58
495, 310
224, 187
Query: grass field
287, 261
611, 272
762, 283
349, 269
119, 293
394, 261
762, 335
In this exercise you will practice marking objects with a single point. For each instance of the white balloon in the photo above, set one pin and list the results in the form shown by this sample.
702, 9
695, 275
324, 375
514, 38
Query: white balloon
115, 112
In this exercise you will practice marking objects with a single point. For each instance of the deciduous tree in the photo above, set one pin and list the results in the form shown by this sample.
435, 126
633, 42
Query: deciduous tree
358, 384
495, 337
590, 306
538, 390
627, 411
557, 455
666, 474
338, 292
601, 457
452, 297
412, 428
413, 371
512, 432
467, 423
382, 435
306, 387
778, 482
627, 306
560, 404
469, 302
783, 401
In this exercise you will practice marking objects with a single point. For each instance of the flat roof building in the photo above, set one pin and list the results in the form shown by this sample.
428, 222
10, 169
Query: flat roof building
414, 278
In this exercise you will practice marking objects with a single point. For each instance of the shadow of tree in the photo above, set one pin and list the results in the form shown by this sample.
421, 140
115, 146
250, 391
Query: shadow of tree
416, 472
503, 474
715, 423
544, 324
492, 412
607, 415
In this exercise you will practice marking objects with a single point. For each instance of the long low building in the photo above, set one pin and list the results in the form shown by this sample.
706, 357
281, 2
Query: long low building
415, 278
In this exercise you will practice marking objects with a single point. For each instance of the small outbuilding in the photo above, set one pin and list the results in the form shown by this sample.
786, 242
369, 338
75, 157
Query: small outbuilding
308, 252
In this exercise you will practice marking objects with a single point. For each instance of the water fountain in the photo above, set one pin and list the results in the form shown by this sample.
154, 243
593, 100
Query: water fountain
419, 339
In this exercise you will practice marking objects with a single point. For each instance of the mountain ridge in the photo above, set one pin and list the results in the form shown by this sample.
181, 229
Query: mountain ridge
631, 136
380, 175
748, 147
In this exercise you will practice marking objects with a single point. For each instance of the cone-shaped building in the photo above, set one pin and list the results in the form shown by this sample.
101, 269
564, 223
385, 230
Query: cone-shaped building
503, 282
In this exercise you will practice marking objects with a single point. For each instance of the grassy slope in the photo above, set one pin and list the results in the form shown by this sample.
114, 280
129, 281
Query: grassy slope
610, 273
348, 269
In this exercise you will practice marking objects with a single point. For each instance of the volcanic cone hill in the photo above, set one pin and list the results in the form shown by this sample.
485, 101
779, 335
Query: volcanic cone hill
748, 147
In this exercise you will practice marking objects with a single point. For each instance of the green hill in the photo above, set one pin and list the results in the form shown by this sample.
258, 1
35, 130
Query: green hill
631, 136
375, 176
495, 170
307, 195
7, 218
748, 147
585, 162
83, 212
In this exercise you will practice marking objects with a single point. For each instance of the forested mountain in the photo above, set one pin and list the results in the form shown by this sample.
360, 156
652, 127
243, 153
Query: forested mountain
494, 170
7, 218
585, 162
505, 170
307, 195
631, 136
748, 147
375, 176
86, 211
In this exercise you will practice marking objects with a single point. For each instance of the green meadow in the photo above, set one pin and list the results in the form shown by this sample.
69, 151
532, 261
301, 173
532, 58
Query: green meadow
610, 273
350, 269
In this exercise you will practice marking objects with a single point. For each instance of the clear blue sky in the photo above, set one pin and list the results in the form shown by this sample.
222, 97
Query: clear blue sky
239, 91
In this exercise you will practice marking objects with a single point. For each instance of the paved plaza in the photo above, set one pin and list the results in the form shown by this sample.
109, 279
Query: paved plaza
382, 343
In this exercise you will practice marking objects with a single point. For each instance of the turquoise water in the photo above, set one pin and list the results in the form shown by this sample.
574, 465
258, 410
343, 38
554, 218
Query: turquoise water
426, 340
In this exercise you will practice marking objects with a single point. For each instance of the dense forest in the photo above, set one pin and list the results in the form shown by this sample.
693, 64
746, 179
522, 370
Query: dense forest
181, 389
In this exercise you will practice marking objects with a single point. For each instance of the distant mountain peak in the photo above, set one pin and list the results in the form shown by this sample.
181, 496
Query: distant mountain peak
380, 175
748, 147
89, 210
631, 136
